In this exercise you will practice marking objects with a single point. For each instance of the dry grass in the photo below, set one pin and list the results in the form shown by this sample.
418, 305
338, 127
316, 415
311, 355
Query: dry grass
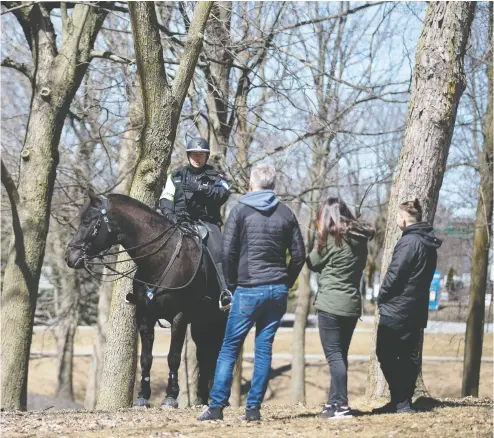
443, 379
438, 419
434, 344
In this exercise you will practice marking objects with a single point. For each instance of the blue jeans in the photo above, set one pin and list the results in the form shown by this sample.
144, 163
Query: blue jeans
263, 305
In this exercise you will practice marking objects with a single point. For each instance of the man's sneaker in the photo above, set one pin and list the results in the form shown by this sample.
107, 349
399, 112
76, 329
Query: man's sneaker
388, 408
404, 407
252, 414
335, 412
211, 414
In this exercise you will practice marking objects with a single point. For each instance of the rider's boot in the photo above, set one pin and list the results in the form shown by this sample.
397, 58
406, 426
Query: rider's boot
225, 300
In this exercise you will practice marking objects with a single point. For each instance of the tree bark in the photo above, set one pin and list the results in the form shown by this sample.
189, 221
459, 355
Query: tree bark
96, 366
57, 78
126, 166
474, 334
162, 105
438, 82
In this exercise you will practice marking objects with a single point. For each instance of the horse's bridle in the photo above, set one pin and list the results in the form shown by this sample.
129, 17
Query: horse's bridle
95, 235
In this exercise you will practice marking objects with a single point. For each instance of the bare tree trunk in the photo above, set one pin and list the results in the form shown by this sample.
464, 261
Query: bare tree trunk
474, 334
218, 79
96, 366
162, 105
67, 319
298, 342
55, 80
437, 85
188, 373
236, 395
126, 166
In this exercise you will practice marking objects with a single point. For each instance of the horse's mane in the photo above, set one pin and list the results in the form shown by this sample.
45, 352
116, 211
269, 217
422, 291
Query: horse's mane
134, 202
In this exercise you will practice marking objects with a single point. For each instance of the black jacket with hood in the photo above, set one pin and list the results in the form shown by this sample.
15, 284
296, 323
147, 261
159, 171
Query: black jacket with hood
404, 295
259, 234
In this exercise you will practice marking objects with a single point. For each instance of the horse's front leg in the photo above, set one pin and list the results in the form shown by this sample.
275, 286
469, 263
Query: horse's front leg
146, 331
178, 331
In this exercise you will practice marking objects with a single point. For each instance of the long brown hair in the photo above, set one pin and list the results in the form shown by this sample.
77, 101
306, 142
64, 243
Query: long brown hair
335, 218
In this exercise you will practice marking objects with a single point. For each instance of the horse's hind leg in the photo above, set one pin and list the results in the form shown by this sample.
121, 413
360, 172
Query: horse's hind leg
179, 329
207, 336
146, 331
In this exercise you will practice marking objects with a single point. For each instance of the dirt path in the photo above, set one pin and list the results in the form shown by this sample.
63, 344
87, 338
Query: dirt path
447, 418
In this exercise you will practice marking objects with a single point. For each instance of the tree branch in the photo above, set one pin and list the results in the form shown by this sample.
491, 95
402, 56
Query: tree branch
330, 17
191, 51
15, 8
9, 185
19, 66
112, 57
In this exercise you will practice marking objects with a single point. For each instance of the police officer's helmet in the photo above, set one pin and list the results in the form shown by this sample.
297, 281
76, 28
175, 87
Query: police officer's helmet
198, 145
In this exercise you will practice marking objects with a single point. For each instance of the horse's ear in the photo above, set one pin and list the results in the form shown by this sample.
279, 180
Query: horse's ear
93, 197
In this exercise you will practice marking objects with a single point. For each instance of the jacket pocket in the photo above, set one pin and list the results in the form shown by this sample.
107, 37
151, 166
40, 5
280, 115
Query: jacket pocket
249, 303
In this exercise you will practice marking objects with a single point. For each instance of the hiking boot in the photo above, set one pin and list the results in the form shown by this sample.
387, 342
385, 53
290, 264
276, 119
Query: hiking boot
252, 414
404, 407
211, 414
388, 408
335, 412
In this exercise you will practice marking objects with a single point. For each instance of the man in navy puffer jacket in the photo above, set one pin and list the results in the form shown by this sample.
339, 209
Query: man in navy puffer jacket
260, 233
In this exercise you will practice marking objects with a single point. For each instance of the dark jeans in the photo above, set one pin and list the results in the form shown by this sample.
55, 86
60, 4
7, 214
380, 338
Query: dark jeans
336, 333
398, 354
260, 305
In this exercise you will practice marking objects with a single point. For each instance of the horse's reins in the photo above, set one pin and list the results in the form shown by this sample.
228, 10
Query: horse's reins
150, 286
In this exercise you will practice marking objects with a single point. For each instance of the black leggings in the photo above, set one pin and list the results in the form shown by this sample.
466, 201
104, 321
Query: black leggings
336, 333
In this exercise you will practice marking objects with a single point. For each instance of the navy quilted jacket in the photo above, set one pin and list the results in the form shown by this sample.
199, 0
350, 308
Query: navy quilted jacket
259, 235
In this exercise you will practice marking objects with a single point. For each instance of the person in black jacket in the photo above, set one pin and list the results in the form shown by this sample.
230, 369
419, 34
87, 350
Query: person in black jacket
259, 235
403, 302
196, 192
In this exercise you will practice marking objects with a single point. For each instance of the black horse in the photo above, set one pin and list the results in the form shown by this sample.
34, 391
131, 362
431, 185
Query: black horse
175, 280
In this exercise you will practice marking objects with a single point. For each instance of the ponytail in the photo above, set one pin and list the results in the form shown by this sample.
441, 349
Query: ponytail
413, 208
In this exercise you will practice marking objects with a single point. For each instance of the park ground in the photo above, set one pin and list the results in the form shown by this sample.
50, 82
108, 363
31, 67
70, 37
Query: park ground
439, 419
444, 416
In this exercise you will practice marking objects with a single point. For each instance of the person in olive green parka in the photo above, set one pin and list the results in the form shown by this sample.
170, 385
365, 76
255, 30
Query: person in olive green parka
339, 257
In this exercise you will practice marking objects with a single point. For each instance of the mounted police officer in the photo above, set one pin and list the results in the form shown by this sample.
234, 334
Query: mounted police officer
196, 192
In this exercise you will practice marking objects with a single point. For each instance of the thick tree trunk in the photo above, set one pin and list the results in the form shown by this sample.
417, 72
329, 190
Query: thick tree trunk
57, 78
126, 166
474, 335
438, 83
96, 366
162, 105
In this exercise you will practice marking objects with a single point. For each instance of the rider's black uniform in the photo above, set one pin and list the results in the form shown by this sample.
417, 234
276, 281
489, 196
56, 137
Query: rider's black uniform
198, 193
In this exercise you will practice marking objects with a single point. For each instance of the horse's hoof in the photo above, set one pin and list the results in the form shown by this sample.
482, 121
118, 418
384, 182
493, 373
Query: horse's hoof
141, 402
169, 403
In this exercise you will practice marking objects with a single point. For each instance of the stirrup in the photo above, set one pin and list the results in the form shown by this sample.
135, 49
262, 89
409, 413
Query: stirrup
226, 296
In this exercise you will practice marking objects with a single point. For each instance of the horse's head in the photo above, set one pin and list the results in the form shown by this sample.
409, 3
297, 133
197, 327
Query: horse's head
95, 233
